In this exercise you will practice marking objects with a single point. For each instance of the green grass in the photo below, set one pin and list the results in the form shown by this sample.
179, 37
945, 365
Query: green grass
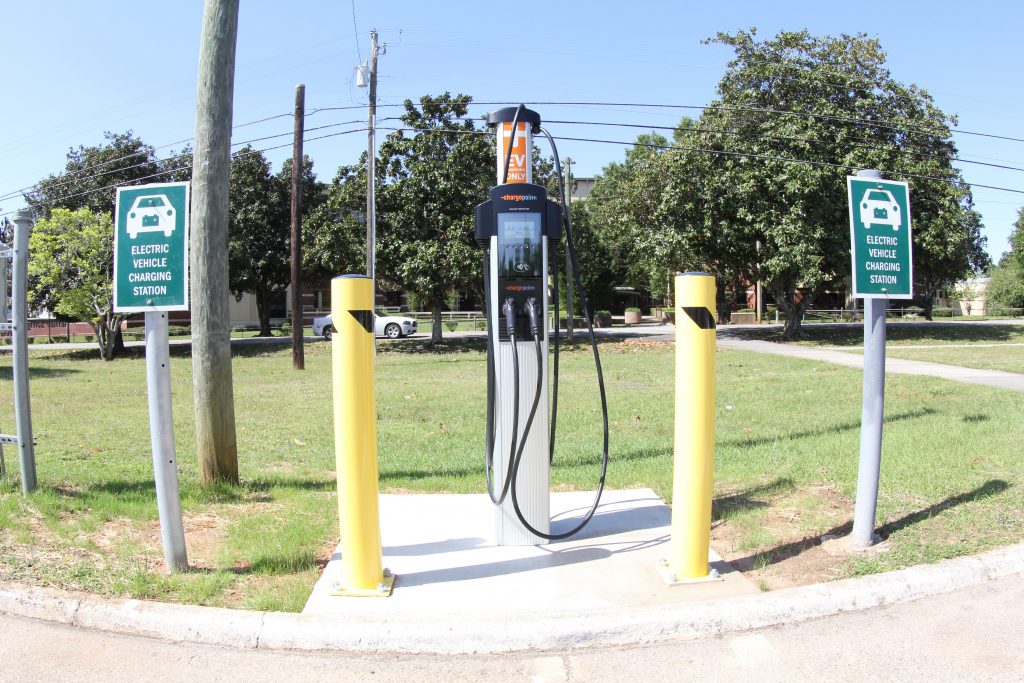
920, 333
787, 443
1005, 358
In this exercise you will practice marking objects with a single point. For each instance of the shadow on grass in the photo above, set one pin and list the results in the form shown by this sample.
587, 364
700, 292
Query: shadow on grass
145, 489
792, 549
821, 431
936, 332
135, 353
747, 499
7, 372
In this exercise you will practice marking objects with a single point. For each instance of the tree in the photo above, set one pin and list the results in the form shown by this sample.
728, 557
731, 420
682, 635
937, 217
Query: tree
334, 235
91, 174
259, 227
430, 182
1006, 285
73, 260
767, 161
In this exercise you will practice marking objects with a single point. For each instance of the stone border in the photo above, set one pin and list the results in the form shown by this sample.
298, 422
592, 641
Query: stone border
454, 633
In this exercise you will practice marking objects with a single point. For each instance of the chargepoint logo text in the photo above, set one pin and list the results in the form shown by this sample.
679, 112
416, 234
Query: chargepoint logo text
519, 197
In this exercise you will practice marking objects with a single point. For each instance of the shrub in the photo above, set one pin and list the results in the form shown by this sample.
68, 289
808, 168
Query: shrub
942, 312
632, 309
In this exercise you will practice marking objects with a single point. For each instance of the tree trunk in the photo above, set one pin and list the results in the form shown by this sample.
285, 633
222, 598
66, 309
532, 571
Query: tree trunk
212, 393
794, 311
263, 313
435, 317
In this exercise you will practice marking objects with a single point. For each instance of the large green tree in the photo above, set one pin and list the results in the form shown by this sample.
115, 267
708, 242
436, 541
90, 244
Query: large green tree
334, 235
259, 229
73, 262
766, 164
92, 173
431, 176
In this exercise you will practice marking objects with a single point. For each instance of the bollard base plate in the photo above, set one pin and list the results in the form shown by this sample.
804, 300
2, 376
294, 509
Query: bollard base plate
672, 579
382, 590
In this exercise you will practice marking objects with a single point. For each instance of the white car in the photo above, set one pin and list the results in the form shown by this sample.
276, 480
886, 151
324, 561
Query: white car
390, 326
880, 207
151, 213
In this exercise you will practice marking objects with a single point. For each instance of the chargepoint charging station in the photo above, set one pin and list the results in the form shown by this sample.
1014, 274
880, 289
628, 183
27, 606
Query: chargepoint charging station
519, 229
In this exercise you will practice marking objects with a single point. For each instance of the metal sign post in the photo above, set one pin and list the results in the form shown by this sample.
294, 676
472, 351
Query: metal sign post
151, 275
881, 252
19, 350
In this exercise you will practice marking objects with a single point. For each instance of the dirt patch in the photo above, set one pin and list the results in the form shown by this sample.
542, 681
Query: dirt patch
774, 535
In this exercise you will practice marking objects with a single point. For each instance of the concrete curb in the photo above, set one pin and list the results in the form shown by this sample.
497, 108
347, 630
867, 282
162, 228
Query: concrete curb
453, 633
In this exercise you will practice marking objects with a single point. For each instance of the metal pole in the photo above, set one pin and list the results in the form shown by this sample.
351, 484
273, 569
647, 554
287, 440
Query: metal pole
161, 434
371, 173
19, 347
569, 277
355, 438
872, 412
694, 428
298, 351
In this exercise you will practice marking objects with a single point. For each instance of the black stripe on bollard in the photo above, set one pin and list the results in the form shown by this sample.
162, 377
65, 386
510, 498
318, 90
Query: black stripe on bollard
700, 315
365, 319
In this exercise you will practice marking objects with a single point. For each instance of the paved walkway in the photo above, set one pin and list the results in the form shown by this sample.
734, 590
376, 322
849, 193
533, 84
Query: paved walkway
898, 366
973, 634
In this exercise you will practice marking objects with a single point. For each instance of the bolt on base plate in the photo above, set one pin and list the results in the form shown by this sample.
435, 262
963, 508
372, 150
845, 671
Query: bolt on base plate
382, 590
672, 579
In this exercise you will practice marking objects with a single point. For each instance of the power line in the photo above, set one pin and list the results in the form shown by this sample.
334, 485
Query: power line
78, 178
750, 155
726, 131
235, 155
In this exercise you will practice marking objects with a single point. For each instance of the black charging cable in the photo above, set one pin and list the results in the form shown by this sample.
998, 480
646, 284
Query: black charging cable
571, 250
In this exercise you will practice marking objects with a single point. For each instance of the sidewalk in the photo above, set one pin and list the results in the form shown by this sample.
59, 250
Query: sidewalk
976, 633
898, 366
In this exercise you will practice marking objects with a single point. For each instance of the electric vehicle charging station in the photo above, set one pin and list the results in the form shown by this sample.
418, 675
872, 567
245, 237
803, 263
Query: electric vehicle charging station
519, 228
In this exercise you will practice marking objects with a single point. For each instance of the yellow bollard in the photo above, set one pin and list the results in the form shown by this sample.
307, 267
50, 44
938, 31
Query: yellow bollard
694, 429
355, 438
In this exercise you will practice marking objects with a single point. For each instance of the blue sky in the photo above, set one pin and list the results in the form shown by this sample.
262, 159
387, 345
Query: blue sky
76, 69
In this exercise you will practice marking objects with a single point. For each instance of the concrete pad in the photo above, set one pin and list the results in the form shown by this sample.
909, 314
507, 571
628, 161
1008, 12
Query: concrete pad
441, 549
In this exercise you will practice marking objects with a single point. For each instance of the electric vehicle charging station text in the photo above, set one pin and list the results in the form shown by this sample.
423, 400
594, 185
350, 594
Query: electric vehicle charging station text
519, 229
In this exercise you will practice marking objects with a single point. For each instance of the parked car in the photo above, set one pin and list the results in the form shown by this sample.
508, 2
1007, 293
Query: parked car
390, 326
880, 207
150, 213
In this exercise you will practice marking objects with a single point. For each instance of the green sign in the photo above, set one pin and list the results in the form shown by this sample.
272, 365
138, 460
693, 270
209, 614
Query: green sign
151, 248
880, 238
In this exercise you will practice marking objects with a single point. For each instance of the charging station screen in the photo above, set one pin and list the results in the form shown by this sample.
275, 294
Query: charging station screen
519, 227
519, 245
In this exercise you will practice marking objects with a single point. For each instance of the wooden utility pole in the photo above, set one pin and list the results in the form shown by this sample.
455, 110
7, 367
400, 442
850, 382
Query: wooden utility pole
212, 392
298, 351
569, 276
371, 177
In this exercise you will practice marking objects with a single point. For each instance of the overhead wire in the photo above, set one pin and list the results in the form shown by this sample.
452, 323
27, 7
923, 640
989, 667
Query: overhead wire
752, 155
234, 155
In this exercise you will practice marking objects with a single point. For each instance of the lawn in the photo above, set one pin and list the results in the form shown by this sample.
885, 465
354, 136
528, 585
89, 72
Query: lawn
788, 430
1006, 358
896, 334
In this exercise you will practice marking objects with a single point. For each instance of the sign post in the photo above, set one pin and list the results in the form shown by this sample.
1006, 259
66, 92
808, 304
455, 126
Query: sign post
151, 276
881, 251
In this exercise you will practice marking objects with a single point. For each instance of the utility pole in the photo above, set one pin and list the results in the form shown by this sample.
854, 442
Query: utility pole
371, 174
298, 351
212, 393
569, 275
758, 292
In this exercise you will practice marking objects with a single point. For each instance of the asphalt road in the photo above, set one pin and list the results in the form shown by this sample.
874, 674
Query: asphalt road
972, 634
